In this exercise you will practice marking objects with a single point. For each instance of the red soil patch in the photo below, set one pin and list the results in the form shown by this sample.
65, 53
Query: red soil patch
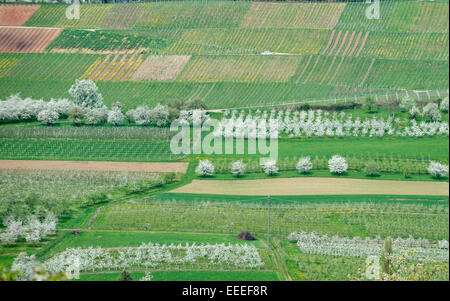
94, 165
14, 15
26, 40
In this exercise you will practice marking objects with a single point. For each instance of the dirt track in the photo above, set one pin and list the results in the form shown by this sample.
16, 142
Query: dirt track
314, 186
94, 166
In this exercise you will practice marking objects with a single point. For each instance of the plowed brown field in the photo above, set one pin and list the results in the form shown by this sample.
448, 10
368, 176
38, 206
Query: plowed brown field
314, 186
26, 40
13, 15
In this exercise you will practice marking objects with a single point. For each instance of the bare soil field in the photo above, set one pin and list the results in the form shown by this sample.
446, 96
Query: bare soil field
25, 39
314, 186
13, 15
94, 166
158, 67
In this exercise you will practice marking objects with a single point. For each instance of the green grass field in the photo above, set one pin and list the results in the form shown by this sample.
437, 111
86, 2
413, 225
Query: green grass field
190, 276
144, 150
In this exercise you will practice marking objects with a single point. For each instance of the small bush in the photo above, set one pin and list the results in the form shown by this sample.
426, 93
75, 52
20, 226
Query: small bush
406, 170
245, 235
125, 276
370, 104
407, 103
76, 115
372, 169
444, 105
304, 165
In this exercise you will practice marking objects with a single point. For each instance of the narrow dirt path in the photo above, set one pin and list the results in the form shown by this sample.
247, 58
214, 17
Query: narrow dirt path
279, 253
95, 165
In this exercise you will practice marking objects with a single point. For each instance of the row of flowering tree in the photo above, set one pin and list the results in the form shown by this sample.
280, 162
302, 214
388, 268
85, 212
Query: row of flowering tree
336, 164
147, 256
33, 229
312, 243
85, 106
318, 123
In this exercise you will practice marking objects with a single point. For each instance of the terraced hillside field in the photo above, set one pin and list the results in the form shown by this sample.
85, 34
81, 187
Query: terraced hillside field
331, 46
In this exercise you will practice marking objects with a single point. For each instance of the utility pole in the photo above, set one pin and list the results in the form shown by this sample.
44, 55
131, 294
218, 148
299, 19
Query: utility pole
268, 222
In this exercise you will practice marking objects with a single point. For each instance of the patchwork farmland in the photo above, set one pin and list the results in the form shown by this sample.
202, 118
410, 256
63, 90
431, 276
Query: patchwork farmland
349, 111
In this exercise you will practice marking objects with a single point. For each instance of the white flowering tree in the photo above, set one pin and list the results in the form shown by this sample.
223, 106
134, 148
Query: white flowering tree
316, 123
95, 116
415, 112
337, 164
238, 168
148, 277
14, 229
62, 106
85, 94
304, 165
205, 168
48, 117
444, 104
407, 103
312, 243
32, 230
115, 117
160, 115
270, 167
142, 115
432, 111
28, 266
437, 170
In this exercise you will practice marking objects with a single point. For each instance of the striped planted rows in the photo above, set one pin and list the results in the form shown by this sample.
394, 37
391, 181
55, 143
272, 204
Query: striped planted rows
119, 67
397, 16
52, 66
249, 68
369, 72
293, 15
180, 14
345, 43
26, 40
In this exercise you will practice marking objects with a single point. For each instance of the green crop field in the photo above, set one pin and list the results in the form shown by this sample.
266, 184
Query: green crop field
242, 42
352, 97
